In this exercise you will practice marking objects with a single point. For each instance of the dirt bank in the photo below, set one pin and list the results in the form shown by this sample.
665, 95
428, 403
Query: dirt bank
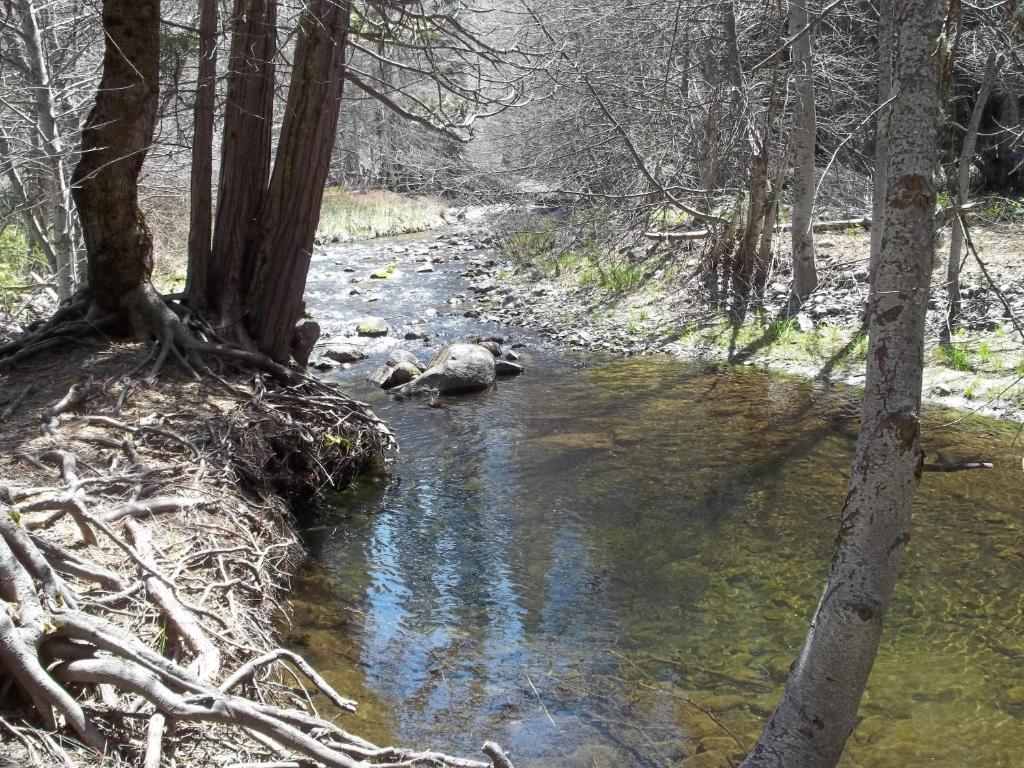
146, 546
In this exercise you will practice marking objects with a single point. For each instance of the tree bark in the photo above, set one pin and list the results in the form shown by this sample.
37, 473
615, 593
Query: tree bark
116, 137
245, 162
201, 205
58, 219
818, 710
805, 128
292, 207
880, 178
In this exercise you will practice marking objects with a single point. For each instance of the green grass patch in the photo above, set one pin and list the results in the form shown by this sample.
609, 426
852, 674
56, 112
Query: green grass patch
1002, 210
955, 357
15, 260
347, 216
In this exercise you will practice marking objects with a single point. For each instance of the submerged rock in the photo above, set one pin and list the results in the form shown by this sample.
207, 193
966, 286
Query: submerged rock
708, 760
456, 368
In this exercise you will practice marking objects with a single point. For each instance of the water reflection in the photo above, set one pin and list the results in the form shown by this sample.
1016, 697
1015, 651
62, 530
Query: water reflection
613, 562
566, 563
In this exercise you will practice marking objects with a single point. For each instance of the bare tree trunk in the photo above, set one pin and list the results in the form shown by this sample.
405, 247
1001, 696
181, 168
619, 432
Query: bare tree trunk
880, 178
962, 181
743, 276
245, 161
292, 208
116, 137
818, 710
750, 274
805, 128
58, 221
201, 208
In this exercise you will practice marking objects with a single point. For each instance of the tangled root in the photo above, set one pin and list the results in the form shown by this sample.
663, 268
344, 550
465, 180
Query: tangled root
137, 585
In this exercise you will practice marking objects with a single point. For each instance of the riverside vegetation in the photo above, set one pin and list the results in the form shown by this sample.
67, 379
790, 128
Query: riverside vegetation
638, 298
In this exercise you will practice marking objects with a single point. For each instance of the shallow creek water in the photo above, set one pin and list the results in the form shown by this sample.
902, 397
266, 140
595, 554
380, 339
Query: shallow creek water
613, 561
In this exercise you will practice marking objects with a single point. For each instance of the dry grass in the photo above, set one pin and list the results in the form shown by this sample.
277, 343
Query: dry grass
347, 216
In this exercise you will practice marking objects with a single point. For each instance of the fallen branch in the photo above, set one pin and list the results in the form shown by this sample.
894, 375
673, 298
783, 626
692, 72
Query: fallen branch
820, 226
956, 466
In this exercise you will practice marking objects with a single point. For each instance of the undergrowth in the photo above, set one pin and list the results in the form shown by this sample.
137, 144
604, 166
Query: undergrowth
346, 216
15, 260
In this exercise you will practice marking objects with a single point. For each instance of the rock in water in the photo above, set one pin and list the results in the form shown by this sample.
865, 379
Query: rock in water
399, 356
456, 368
304, 338
372, 326
505, 368
492, 346
397, 375
348, 353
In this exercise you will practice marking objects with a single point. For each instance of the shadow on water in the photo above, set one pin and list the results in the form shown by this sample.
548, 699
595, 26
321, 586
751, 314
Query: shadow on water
564, 564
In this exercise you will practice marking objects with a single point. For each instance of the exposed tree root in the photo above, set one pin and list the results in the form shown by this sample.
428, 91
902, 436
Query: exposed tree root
115, 630
176, 332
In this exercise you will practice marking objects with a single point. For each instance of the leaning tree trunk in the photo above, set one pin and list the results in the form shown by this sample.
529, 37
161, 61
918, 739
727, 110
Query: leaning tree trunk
292, 207
880, 178
819, 706
201, 204
116, 137
245, 163
805, 127
961, 181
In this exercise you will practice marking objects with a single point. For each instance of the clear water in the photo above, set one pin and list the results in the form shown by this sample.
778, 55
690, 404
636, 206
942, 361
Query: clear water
612, 562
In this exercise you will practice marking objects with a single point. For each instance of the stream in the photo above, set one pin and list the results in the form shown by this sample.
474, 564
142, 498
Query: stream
612, 561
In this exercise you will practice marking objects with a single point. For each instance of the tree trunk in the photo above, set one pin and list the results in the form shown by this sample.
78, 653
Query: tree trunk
58, 219
818, 710
245, 162
879, 180
805, 127
292, 209
961, 180
116, 137
201, 206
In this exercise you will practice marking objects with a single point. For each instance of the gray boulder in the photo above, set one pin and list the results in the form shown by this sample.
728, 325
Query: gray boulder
398, 356
505, 368
393, 375
347, 353
304, 338
456, 368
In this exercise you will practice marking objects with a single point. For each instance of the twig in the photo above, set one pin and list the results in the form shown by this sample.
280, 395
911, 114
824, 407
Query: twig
535, 693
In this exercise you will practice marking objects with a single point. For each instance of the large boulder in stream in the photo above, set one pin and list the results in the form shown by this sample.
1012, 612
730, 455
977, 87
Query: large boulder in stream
456, 368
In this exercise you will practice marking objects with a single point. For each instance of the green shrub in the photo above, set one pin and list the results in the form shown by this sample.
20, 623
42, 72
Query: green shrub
15, 260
